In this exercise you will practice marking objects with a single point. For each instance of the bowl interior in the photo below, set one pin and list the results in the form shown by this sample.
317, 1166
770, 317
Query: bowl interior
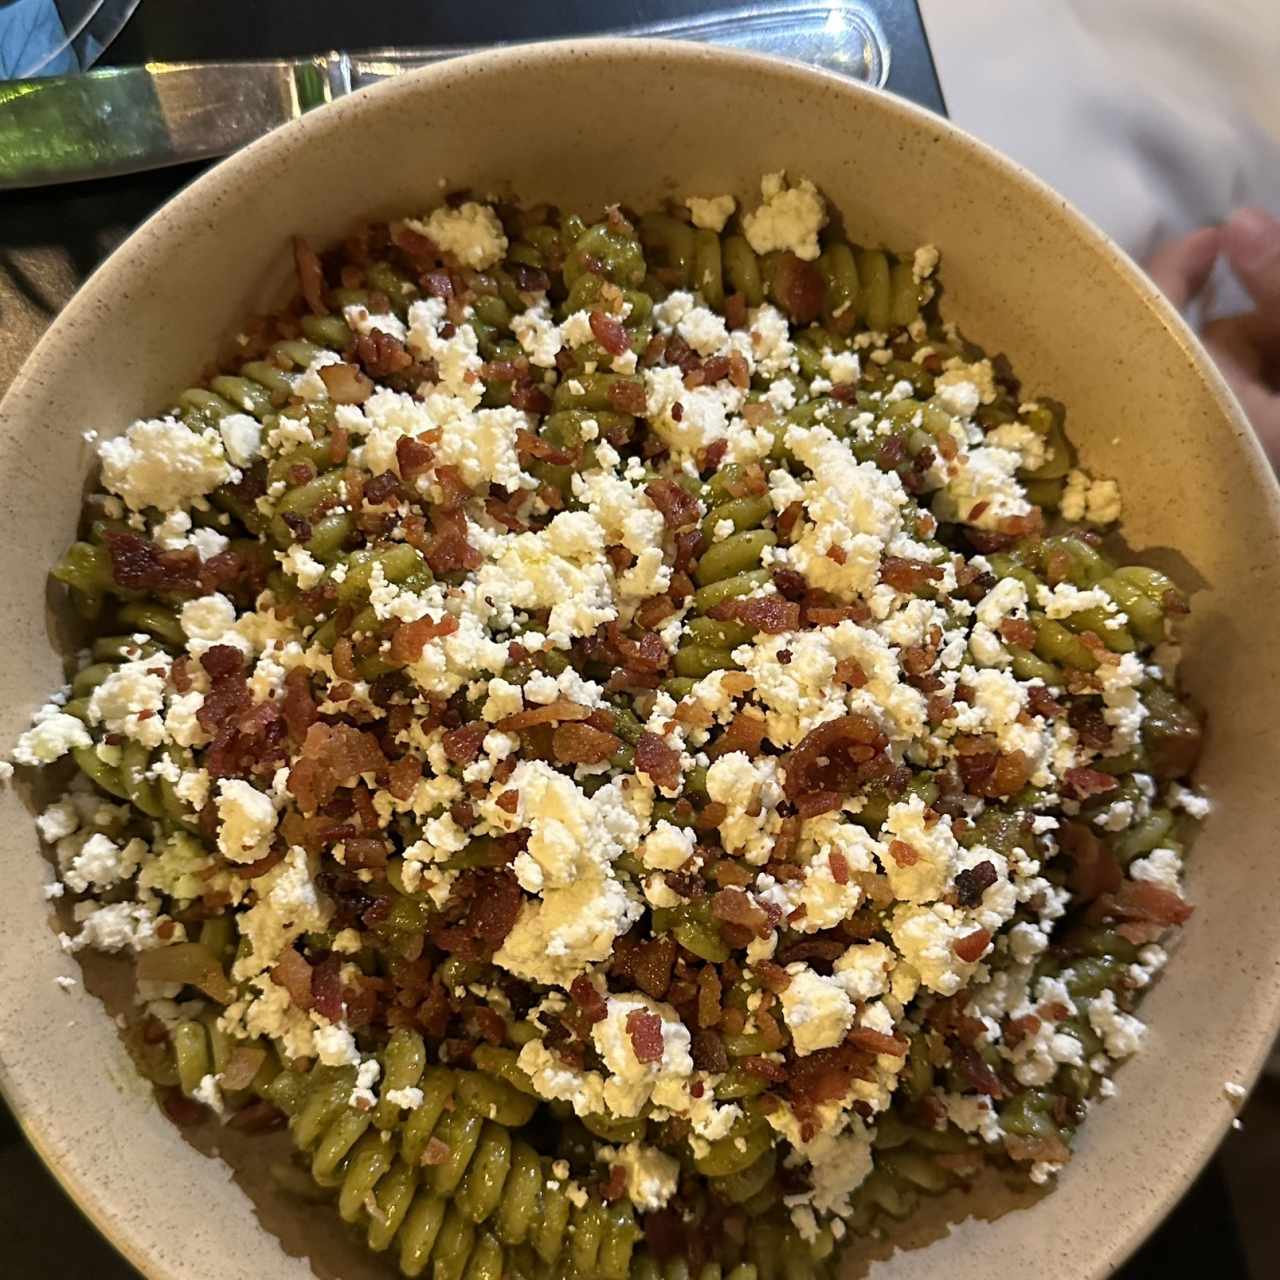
580, 124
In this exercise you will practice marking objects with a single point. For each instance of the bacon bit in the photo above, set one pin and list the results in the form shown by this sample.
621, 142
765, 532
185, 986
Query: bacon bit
770, 614
297, 705
773, 977
973, 882
825, 1075
366, 851
615, 1186
904, 854
736, 907
1049, 1149
745, 733
799, 288
462, 746
970, 1063
645, 1030
182, 1110
410, 638
493, 900
1083, 783
709, 994
813, 804
651, 966
765, 1068
1018, 1029
1020, 633
403, 776
758, 412
735, 310
679, 507
436, 1152
583, 744
346, 384
839, 866
332, 756
1094, 869
849, 671
257, 1116
293, 973
989, 773
661, 762
1143, 901
508, 801
551, 713
908, 575
326, 988
139, 565
609, 333
380, 354
835, 756
626, 396
971, 946
877, 1042
1042, 702
583, 993
310, 276
1055, 1011
530, 446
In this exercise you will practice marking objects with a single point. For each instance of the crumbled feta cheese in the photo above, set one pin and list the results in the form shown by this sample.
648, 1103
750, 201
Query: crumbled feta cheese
789, 218
163, 463
817, 1010
470, 232
711, 212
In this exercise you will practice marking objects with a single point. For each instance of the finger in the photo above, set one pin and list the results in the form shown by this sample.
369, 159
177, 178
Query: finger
1236, 358
1233, 343
1251, 241
1180, 267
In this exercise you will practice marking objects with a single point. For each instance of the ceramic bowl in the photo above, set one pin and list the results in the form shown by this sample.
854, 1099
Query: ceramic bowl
578, 124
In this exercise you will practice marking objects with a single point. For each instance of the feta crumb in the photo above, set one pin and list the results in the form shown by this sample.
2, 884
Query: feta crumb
711, 212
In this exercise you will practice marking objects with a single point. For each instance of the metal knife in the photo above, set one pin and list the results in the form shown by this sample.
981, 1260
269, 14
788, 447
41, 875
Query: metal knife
124, 119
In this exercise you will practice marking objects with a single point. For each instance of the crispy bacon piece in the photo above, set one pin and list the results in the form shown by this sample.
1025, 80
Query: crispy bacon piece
609, 332
380, 354
139, 565
298, 705
799, 288
659, 761
448, 549
745, 733
877, 1042
679, 507
583, 993
835, 757
709, 994
973, 1067
765, 1068
1144, 909
333, 756
462, 746
973, 882
903, 853
346, 384
626, 396
310, 276
326, 988
825, 1075
493, 900
770, 614
908, 575
1094, 869
971, 946
1083, 783
583, 744
645, 1030
293, 973
410, 638
414, 457
552, 713
736, 907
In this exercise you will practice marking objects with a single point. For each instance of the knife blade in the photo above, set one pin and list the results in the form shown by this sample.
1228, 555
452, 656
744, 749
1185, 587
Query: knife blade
121, 120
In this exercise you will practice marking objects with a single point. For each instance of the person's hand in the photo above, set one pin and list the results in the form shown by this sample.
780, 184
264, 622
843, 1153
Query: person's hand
1246, 347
